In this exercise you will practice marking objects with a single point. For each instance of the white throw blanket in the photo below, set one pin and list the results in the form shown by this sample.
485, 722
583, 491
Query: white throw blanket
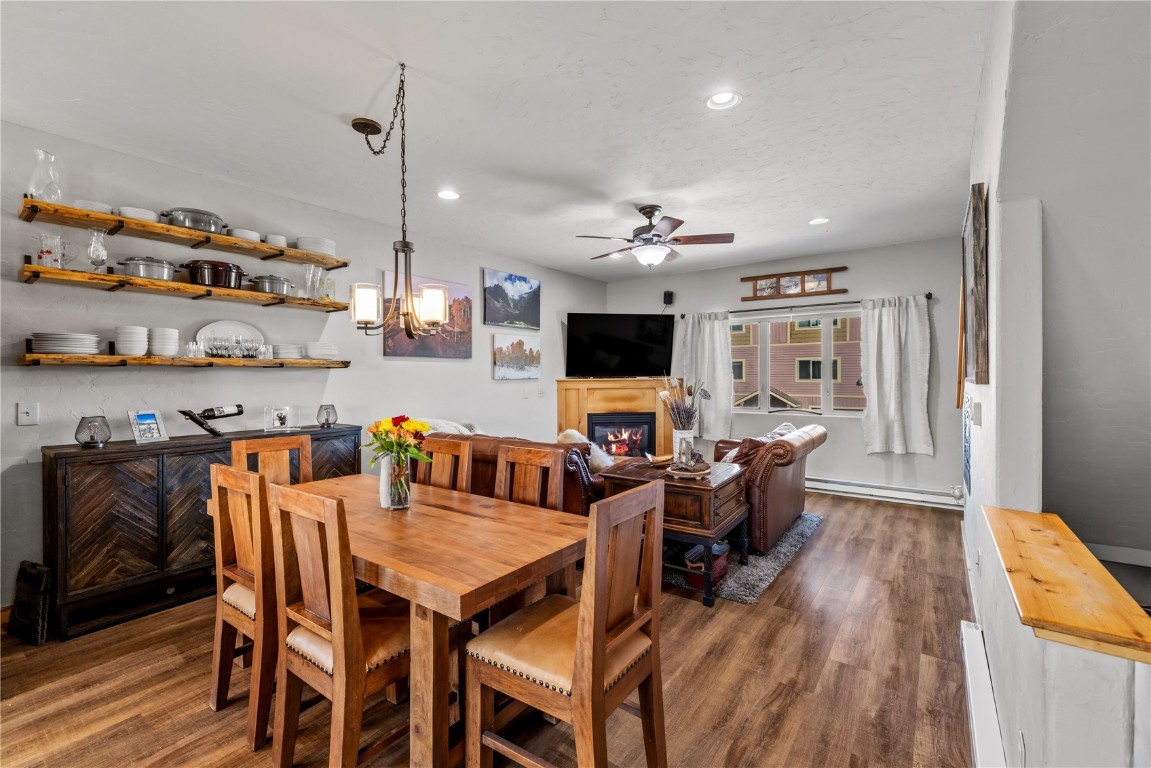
896, 350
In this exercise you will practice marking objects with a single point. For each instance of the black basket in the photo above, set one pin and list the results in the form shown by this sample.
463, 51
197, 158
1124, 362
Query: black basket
29, 619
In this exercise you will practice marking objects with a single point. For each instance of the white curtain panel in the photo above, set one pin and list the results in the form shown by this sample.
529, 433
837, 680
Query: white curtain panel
896, 348
705, 355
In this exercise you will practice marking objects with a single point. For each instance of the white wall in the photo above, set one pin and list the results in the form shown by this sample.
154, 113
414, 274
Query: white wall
908, 268
372, 388
1057, 705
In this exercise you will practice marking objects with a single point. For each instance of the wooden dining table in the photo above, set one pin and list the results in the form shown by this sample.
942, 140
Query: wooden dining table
452, 555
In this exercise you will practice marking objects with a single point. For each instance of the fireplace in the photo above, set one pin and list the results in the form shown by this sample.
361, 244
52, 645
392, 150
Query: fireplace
622, 434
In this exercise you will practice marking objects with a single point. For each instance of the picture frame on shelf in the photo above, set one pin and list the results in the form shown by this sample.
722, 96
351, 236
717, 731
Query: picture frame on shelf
279, 418
147, 426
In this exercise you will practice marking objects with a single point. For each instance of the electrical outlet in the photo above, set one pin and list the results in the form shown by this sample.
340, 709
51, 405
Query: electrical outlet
27, 414
541, 392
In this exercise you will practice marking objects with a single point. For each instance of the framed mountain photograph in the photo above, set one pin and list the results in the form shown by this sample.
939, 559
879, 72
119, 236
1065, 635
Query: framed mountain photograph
511, 301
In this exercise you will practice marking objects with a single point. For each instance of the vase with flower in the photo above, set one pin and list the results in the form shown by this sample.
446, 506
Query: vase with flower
396, 441
681, 401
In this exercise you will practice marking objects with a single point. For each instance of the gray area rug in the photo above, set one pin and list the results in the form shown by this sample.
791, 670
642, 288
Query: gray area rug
745, 583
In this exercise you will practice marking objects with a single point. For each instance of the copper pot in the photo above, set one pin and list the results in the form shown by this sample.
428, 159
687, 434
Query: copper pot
219, 274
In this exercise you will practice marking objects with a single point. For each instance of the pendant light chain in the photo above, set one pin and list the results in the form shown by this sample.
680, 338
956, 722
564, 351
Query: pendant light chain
395, 113
403, 159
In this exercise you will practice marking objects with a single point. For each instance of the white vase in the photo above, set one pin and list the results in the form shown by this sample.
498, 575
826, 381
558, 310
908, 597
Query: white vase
682, 445
385, 463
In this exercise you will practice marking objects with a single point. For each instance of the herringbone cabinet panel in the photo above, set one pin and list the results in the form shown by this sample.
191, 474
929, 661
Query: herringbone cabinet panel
335, 457
187, 486
113, 516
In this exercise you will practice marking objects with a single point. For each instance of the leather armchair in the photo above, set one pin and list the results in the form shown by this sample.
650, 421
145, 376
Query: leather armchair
776, 479
580, 486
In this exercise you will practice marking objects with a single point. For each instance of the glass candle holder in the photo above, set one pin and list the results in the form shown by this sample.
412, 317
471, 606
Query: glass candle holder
93, 432
326, 416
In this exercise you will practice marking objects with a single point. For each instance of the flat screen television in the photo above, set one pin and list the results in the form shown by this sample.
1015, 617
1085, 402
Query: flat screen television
611, 345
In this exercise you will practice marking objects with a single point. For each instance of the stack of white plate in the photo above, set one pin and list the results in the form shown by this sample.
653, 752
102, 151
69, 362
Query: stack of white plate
131, 340
287, 351
321, 350
164, 342
317, 244
65, 343
92, 205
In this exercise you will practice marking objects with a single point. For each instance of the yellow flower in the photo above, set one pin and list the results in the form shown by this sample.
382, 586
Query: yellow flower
415, 426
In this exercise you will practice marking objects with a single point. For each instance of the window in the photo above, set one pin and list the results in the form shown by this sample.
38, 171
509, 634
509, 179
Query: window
811, 369
780, 363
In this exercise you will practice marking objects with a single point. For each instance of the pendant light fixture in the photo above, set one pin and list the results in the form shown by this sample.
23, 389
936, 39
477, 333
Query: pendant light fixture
419, 314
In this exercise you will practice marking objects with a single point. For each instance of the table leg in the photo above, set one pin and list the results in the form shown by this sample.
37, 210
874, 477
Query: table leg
708, 592
742, 542
430, 682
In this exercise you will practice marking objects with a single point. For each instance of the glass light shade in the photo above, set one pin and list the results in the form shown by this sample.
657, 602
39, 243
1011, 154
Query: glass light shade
650, 255
431, 306
326, 415
365, 304
93, 432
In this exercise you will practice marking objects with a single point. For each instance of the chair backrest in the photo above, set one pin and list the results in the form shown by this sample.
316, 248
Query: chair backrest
242, 529
274, 457
530, 475
315, 583
450, 466
621, 582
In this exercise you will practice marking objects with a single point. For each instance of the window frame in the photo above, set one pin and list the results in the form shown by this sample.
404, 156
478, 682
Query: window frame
827, 345
835, 368
742, 370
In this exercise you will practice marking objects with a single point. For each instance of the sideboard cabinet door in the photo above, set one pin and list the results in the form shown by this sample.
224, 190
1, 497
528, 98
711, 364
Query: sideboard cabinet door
188, 541
112, 523
335, 456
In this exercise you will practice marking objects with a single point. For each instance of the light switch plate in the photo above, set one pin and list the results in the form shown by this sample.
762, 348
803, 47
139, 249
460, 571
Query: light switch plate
27, 414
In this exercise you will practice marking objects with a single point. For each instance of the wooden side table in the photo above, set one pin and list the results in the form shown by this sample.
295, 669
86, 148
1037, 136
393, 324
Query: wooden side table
695, 511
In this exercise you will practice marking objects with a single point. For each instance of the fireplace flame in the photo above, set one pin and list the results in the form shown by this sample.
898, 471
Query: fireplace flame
623, 441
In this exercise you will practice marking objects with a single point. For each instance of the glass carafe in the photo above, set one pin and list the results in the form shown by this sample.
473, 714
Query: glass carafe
97, 253
45, 183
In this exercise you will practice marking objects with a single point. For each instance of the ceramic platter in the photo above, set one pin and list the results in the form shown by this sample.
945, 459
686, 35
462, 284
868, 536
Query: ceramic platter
228, 329
683, 474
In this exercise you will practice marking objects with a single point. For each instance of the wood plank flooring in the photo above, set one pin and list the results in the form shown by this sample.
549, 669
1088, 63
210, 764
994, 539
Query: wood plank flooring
851, 658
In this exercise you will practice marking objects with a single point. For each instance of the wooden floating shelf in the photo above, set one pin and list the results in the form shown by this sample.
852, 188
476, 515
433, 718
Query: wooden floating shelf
1062, 591
32, 273
113, 361
52, 213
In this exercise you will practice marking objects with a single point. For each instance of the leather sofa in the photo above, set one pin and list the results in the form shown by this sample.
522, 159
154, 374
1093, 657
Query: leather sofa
776, 479
580, 487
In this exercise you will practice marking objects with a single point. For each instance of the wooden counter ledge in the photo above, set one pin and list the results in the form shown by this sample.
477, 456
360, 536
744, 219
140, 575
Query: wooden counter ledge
1062, 591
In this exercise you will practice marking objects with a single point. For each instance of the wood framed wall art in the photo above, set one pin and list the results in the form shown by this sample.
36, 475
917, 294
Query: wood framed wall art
975, 332
792, 285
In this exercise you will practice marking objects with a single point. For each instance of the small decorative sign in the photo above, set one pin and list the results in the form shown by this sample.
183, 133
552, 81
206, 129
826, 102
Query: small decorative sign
792, 285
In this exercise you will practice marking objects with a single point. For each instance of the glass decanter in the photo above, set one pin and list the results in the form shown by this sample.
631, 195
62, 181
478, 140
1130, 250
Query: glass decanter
97, 253
45, 183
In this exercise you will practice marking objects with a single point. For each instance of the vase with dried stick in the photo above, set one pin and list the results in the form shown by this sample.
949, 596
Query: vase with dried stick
681, 401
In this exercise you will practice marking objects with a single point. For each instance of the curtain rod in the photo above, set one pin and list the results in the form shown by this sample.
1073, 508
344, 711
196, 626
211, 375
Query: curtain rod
799, 306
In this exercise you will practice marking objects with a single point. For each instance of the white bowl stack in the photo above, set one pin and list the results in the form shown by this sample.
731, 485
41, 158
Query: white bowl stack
131, 340
163, 342
321, 350
287, 351
317, 244
65, 343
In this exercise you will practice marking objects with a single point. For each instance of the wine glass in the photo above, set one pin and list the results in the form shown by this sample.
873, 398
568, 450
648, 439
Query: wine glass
97, 253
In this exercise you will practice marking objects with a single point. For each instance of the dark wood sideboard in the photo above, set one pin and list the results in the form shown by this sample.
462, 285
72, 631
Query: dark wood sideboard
126, 530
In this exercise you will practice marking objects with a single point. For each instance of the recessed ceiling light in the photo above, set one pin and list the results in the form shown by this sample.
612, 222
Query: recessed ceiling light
725, 100
447, 194
817, 221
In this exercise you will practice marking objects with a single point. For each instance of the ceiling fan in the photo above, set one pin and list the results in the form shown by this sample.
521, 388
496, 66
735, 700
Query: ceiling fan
652, 244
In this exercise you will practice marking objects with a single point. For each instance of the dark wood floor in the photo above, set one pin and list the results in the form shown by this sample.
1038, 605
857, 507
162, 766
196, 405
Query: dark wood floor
851, 658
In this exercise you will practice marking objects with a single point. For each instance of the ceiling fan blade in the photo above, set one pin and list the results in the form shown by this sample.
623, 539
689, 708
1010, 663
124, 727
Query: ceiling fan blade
727, 237
672, 255
612, 253
601, 237
666, 226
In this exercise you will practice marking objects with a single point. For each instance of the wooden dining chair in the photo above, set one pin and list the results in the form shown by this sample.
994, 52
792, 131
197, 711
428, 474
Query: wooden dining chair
343, 645
245, 592
450, 466
274, 457
245, 581
528, 475
578, 660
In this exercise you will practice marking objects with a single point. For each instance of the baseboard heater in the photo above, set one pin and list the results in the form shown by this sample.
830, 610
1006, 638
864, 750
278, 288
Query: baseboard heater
986, 742
952, 499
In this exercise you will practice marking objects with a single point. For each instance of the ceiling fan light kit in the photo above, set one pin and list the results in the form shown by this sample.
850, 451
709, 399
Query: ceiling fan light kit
653, 243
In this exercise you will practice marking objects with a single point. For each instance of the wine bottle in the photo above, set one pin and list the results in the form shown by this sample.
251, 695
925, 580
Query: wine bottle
221, 411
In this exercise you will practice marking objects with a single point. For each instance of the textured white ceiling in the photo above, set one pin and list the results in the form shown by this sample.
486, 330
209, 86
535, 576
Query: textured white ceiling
551, 119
